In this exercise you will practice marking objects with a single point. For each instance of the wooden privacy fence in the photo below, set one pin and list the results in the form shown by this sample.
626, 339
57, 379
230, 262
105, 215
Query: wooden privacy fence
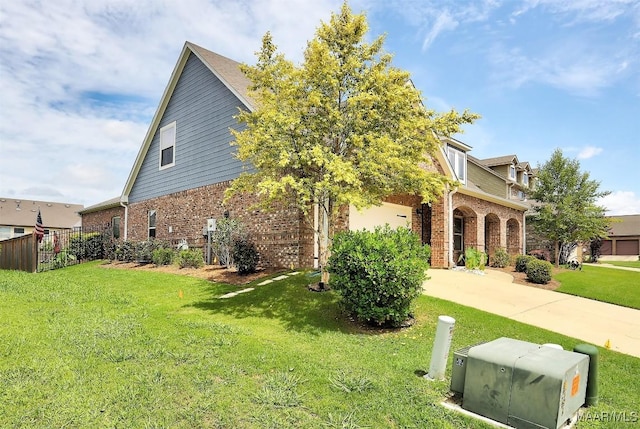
19, 253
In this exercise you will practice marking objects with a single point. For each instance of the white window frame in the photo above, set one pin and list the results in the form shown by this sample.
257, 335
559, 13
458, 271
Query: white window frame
512, 172
153, 227
525, 178
458, 161
167, 140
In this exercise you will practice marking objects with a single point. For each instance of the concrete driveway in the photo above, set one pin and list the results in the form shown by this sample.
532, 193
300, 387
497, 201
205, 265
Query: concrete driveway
591, 321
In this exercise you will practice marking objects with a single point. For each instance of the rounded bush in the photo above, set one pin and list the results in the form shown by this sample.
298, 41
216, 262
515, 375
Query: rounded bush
190, 258
539, 271
163, 256
521, 262
245, 256
378, 274
500, 258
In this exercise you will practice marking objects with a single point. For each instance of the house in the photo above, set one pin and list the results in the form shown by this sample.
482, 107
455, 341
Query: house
624, 239
18, 217
185, 163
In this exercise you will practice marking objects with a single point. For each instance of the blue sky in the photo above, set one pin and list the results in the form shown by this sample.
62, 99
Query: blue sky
80, 80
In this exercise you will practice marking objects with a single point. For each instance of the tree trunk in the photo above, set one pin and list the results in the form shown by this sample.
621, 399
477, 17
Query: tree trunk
557, 245
324, 215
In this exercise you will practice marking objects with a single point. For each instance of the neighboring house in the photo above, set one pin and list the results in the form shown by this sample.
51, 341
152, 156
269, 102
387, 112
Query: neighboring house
186, 162
18, 217
624, 237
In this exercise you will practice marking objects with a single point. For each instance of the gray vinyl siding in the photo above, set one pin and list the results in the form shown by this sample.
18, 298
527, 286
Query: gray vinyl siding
486, 181
203, 109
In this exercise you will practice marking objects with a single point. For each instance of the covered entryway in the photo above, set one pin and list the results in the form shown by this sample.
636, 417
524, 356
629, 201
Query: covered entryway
513, 237
465, 232
491, 233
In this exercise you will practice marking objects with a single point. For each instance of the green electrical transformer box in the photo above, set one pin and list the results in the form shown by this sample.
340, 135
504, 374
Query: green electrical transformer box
522, 384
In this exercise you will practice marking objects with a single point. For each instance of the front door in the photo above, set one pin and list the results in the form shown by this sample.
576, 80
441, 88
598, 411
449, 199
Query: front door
458, 239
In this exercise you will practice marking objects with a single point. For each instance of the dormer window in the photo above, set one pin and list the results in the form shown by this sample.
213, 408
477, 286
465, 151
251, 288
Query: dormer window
458, 161
525, 179
512, 172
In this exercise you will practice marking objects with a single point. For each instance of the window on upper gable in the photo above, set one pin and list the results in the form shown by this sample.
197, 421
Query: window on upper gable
525, 179
168, 145
512, 172
458, 161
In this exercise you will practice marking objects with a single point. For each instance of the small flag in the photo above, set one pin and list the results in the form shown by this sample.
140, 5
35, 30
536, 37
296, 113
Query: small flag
180, 294
39, 231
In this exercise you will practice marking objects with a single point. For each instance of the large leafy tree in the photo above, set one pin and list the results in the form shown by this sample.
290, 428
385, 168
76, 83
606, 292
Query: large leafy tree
343, 127
566, 209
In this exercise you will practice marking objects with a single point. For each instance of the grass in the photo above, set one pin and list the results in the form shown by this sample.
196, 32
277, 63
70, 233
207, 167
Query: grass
630, 264
89, 347
611, 285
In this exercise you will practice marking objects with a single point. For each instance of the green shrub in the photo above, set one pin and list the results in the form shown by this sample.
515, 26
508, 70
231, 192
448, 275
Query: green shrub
144, 251
378, 274
245, 256
190, 258
539, 271
163, 256
474, 259
125, 251
521, 262
87, 246
500, 258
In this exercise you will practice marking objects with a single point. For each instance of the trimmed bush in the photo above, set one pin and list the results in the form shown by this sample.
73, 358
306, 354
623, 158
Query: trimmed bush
191, 258
539, 271
521, 262
245, 256
163, 256
500, 258
378, 274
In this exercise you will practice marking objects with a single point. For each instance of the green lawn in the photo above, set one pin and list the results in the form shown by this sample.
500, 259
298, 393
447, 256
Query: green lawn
90, 347
631, 264
620, 287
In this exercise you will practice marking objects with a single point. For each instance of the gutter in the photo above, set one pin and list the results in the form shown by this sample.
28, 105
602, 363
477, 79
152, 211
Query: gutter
125, 204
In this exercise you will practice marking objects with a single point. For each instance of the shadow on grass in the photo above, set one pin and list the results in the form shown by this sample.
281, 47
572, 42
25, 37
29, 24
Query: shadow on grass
288, 301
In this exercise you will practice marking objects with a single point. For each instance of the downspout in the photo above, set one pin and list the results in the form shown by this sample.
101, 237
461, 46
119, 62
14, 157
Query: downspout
450, 255
126, 216
524, 232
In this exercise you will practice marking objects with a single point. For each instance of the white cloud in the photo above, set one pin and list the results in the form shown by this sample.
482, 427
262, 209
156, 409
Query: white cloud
444, 22
589, 152
621, 203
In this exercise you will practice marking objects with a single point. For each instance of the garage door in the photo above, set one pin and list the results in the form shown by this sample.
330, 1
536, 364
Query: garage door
627, 247
606, 248
393, 214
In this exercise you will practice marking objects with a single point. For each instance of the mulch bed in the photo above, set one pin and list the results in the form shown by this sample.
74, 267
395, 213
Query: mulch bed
212, 273
521, 278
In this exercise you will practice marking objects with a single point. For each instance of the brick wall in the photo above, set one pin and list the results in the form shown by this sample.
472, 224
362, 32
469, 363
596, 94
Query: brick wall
103, 218
280, 235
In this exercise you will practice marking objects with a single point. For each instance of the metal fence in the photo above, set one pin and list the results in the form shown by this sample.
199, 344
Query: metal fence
61, 248
57, 249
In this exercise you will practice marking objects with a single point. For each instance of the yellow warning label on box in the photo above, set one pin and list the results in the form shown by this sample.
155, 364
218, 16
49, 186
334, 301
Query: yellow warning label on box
575, 385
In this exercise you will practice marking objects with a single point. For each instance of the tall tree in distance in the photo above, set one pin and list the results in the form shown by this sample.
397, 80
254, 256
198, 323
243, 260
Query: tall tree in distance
567, 210
344, 127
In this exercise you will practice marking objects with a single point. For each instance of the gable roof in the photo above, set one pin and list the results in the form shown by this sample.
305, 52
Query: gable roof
225, 69
500, 160
16, 212
627, 225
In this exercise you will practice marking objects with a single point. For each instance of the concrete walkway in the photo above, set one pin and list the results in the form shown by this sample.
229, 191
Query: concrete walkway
591, 321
